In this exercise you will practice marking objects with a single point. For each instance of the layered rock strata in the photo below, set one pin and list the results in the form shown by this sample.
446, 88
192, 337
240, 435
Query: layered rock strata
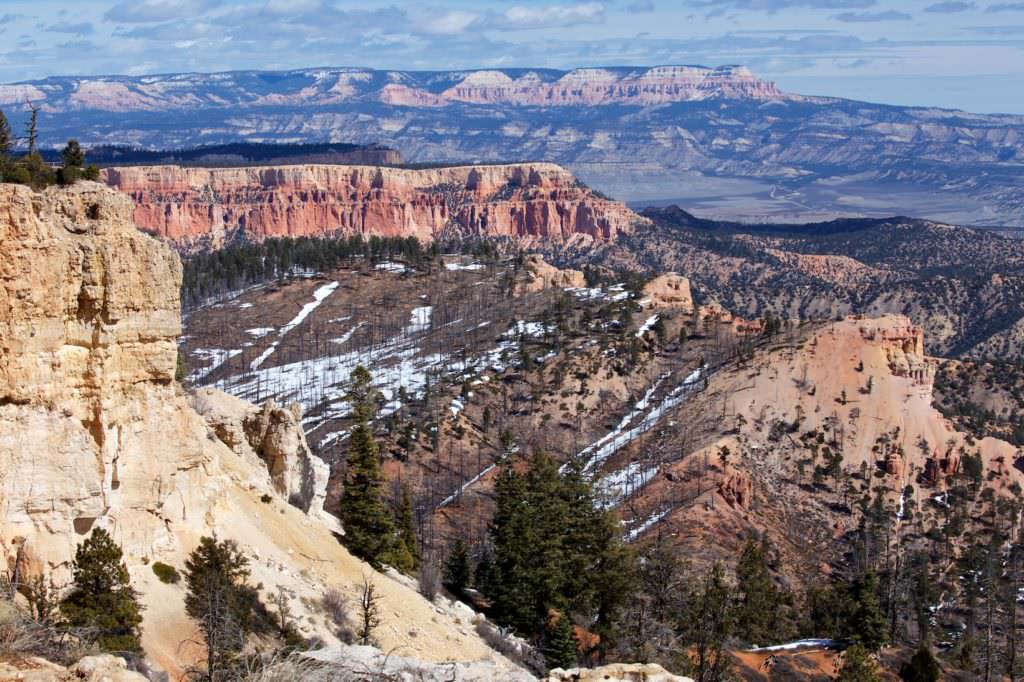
191, 206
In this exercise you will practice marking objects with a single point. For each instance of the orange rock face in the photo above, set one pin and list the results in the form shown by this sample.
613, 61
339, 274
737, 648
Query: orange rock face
190, 206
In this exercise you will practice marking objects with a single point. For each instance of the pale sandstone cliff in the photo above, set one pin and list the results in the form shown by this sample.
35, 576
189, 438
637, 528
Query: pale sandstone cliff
671, 291
542, 275
190, 206
95, 432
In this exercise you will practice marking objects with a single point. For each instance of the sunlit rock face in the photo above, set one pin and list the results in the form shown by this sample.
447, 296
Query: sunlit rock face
199, 205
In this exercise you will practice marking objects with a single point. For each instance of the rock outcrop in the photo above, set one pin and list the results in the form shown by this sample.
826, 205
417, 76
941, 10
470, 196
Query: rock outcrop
273, 434
95, 432
191, 206
671, 291
105, 668
542, 275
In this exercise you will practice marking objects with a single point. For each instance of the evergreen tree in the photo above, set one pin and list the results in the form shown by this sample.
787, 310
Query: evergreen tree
560, 649
759, 617
408, 547
220, 601
922, 667
858, 666
102, 597
369, 528
457, 569
72, 155
512, 536
711, 626
6, 143
867, 624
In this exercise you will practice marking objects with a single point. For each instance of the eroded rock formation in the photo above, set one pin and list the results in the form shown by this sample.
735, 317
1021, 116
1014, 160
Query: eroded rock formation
192, 206
542, 275
670, 290
273, 434
95, 432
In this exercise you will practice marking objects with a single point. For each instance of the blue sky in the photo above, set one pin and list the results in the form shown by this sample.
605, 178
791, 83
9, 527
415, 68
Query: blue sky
956, 53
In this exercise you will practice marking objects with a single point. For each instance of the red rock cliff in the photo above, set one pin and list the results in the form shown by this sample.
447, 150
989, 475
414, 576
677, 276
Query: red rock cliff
191, 206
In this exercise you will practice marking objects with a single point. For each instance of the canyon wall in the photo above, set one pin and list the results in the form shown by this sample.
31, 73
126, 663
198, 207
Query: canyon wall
198, 206
95, 432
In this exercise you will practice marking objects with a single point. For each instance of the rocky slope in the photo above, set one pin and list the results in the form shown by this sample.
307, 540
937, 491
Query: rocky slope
193, 206
725, 142
965, 286
95, 432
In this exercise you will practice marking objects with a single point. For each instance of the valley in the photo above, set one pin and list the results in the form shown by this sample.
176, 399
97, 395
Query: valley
523, 348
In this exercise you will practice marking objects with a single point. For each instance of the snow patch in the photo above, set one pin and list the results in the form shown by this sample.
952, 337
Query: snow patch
647, 326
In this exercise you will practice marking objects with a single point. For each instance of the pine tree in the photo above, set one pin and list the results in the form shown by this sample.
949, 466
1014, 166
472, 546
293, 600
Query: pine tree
867, 625
457, 569
759, 617
408, 547
72, 155
560, 648
102, 597
858, 666
512, 536
369, 528
711, 626
220, 601
6, 143
922, 667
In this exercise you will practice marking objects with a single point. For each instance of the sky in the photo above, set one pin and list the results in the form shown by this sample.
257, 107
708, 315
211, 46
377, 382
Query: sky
966, 54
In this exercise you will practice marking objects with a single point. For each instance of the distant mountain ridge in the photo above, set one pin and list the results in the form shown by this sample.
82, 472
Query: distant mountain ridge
720, 141
519, 87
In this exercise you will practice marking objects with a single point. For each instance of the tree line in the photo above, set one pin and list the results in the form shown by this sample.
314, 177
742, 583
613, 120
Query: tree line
30, 168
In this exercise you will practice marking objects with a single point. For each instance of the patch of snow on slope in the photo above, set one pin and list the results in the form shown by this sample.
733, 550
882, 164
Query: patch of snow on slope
616, 487
451, 498
800, 644
646, 525
597, 453
421, 318
343, 339
216, 358
319, 296
460, 266
260, 332
647, 326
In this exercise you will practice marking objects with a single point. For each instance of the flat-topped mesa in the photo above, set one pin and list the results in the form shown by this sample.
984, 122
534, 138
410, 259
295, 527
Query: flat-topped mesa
597, 86
189, 206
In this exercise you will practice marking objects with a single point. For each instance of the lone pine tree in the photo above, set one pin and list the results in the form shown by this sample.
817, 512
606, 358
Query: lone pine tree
369, 526
102, 597
221, 602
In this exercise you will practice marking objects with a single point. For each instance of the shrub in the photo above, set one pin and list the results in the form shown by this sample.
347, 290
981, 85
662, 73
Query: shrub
166, 573
336, 606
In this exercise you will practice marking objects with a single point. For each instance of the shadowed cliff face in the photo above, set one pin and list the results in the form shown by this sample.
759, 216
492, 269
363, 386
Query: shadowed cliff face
526, 201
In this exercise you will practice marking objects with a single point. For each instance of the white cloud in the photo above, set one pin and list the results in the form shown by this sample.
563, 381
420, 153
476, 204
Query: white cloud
522, 17
151, 11
451, 22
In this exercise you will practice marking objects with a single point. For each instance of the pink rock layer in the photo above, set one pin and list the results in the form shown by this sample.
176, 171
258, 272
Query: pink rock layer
192, 206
